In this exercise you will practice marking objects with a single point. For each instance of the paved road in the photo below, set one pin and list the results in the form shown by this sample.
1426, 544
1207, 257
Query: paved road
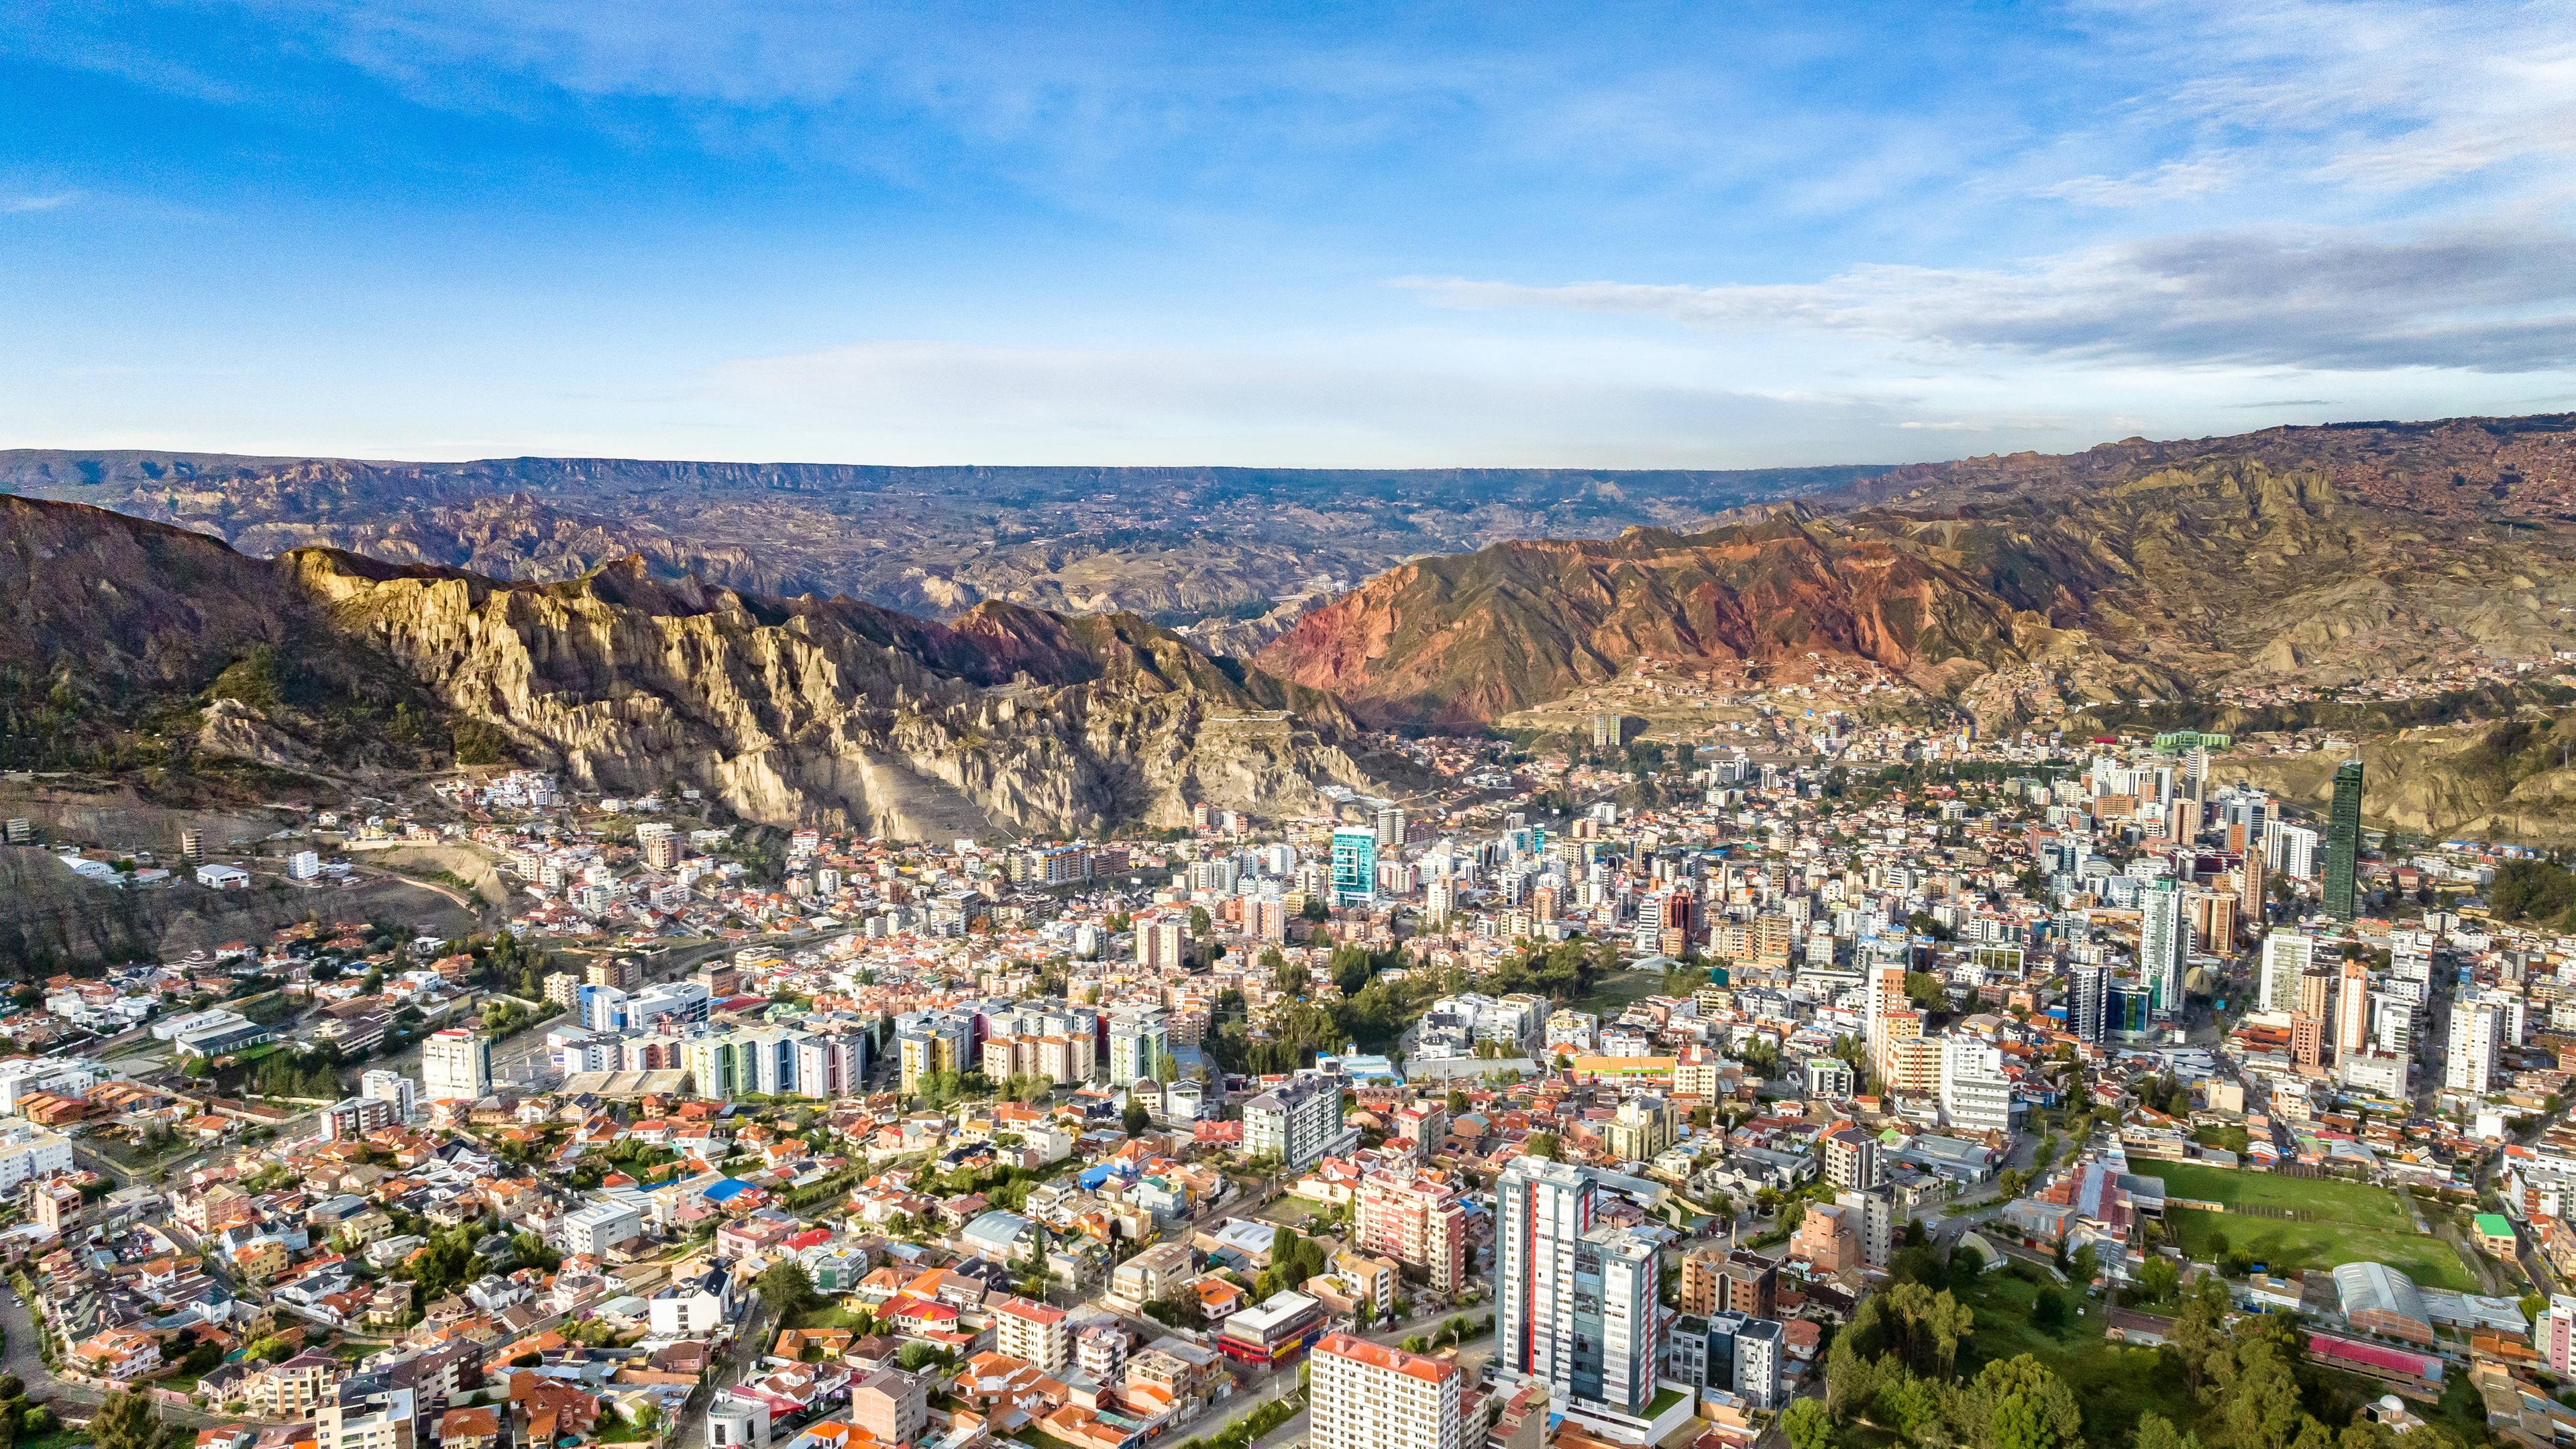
70, 1400
758, 1329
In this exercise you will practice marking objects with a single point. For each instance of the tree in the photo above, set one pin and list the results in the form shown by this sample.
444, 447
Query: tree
1807, 1425
2085, 1266
1180, 1308
1540, 1144
1851, 1377
127, 1420
2155, 1431
2048, 1414
2019, 1425
785, 1286
2196, 1332
2158, 1279
2048, 1310
1135, 1119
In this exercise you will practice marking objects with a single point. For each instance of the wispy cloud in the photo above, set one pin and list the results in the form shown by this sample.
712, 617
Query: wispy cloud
2483, 301
48, 201
2171, 181
2371, 95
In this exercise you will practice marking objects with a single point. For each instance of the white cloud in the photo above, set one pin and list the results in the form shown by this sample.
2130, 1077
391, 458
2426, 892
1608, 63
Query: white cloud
2493, 300
50, 201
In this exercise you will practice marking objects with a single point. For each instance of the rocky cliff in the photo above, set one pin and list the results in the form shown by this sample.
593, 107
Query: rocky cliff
1017, 722
2171, 582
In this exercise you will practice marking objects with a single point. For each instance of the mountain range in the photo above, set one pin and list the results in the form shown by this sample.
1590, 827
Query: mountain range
1221, 545
631, 623
2021, 588
136, 644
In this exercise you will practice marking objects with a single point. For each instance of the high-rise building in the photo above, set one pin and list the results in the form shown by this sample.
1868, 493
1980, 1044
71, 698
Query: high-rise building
1295, 1121
2343, 841
2307, 1040
1365, 1395
1975, 1094
1578, 1302
1642, 1126
1731, 1352
2352, 1011
1715, 1280
1439, 902
1851, 1158
1390, 826
2164, 944
1416, 1221
1159, 941
2087, 993
2470, 1067
1139, 1039
2553, 1335
456, 1066
2286, 957
2250, 886
925, 1042
1354, 866
2293, 851
393, 1087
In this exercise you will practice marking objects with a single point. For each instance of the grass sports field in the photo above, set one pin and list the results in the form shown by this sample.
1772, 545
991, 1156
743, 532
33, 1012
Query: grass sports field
2351, 1222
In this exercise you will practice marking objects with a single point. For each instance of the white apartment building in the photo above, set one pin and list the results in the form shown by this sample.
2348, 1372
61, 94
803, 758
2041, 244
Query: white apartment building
456, 1065
1369, 1396
1976, 1096
594, 1229
28, 1152
2475, 1028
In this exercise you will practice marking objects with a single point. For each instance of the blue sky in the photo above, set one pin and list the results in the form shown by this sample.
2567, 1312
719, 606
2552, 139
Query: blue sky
1613, 236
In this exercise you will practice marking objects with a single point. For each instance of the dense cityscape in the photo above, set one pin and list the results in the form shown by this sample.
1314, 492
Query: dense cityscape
1607, 1092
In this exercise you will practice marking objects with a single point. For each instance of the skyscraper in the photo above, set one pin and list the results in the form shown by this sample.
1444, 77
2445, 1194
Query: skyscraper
2343, 841
2164, 944
1354, 866
2087, 988
2249, 887
1578, 1304
2352, 1012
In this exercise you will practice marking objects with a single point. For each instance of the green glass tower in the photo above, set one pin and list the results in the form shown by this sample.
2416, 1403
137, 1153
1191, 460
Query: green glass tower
2343, 840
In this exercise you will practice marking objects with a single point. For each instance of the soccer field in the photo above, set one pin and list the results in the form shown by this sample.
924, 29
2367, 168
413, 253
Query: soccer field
2346, 1222
2357, 1204
2282, 1246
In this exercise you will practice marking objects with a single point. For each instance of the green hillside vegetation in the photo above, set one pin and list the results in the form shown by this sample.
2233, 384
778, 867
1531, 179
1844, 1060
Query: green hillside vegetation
1947, 1355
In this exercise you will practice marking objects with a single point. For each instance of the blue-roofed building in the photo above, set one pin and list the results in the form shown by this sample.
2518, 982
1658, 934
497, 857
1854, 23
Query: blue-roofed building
726, 1190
